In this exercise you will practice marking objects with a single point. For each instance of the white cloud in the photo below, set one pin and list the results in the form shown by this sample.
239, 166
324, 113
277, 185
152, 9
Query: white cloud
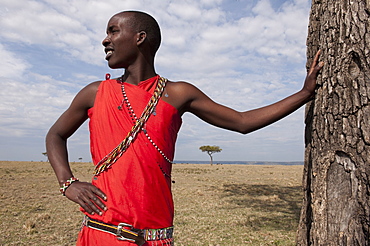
263, 8
10, 63
185, 11
33, 102
208, 3
236, 44
58, 24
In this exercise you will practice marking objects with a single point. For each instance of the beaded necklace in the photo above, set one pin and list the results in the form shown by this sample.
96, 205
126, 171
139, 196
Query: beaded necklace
135, 118
117, 152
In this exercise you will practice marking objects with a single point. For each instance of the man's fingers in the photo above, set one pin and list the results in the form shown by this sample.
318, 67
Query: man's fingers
88, 196
316, 58
100, 193
315, 65
87, 208
89, 202
98, 202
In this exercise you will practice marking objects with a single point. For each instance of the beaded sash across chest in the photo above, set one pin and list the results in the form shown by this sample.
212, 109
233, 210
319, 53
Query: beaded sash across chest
117, 152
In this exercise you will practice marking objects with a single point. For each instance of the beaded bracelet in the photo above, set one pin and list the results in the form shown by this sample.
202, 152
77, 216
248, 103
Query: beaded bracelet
67, 184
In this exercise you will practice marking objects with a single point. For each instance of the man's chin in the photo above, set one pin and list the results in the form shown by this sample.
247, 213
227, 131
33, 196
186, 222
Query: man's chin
113, 65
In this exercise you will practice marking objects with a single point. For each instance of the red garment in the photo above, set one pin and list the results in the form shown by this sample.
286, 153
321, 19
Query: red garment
138, 193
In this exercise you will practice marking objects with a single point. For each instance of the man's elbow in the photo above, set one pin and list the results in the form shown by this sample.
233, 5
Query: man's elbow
53, 136
245, 129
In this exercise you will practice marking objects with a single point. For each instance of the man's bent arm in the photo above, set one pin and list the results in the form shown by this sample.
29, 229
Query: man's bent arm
85, 194
63, 128
56, 146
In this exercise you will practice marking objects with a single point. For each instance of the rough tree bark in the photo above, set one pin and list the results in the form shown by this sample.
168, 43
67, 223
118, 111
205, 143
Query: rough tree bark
336, 205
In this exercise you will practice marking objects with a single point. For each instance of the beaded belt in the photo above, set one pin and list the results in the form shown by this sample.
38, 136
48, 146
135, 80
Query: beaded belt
127, 232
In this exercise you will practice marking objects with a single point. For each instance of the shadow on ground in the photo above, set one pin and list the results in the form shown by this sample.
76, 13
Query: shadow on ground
275, 207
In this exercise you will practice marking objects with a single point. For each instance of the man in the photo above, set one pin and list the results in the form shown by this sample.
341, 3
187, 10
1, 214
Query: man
129, 200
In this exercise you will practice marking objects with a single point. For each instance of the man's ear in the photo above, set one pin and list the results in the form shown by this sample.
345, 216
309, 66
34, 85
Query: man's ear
141, 36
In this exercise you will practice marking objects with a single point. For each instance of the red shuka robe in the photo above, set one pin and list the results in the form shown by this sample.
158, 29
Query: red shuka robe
138, 192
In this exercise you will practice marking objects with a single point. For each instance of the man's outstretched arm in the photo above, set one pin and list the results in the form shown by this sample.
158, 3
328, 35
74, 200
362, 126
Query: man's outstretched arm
251, 120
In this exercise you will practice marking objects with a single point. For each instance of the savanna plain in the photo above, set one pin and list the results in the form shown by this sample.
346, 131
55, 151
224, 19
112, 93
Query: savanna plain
214, 205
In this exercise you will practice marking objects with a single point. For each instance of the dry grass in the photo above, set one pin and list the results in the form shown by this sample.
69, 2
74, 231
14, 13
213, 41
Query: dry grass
215, 205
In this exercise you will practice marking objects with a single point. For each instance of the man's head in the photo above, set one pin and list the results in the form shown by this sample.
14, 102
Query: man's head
143, 22
131, 31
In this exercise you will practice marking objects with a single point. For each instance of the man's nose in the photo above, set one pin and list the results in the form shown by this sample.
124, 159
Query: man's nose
106, 41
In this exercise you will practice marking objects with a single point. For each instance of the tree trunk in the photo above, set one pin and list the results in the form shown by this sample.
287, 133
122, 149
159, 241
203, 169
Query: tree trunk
336, 204
210, 155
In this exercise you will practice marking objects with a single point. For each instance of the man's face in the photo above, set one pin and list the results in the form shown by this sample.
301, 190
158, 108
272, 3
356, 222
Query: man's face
120, 43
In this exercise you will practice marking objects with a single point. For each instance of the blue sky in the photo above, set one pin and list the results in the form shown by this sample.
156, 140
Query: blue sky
243, 54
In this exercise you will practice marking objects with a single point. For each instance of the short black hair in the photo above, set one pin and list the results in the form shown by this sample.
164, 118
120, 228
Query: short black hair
140, 21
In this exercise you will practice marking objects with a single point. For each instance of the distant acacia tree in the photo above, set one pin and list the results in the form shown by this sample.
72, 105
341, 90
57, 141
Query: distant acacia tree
336, 181
210, 150
46, 154
80, 159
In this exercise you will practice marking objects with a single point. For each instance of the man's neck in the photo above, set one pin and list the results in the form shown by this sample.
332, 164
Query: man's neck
134, 75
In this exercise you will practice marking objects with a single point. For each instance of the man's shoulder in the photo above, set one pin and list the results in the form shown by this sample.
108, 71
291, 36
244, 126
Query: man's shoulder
183, 87
89, 92
94, 85
180, 85
183, 91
